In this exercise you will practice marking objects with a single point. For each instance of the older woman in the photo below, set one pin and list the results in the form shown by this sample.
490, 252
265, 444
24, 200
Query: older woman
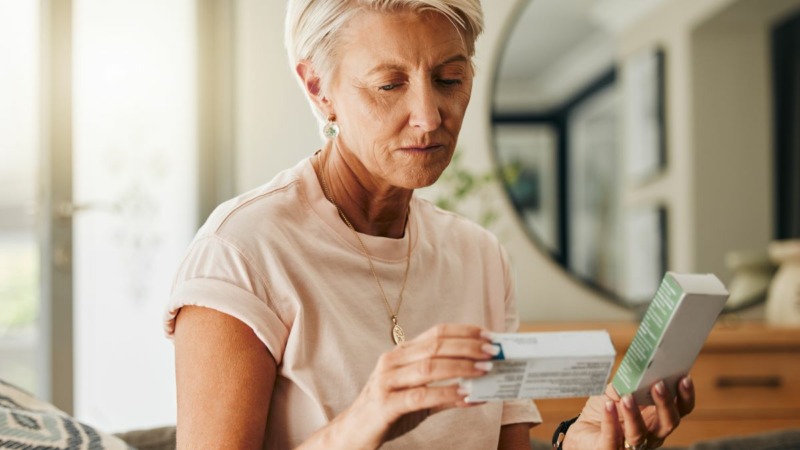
328, 308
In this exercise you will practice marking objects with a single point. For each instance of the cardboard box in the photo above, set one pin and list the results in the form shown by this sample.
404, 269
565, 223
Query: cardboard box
545, 365
671, 334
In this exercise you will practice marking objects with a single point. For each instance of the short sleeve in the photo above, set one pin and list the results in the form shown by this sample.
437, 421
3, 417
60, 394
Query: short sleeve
217, 275
520, 411
515, 411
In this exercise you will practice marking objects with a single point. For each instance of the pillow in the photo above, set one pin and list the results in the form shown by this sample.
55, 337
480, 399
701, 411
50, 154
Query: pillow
27, 423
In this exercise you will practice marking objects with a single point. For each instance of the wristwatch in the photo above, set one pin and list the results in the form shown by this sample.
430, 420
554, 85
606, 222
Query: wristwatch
561, 432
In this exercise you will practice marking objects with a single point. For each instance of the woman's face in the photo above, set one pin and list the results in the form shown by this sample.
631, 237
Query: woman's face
400, 89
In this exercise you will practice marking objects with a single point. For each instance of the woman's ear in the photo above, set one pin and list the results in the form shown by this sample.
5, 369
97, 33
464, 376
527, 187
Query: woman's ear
313, 86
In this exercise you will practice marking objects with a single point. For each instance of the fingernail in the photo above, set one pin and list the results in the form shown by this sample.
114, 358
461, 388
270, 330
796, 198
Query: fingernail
462, 391
490, 349
628, 402
488, 335
486, 366
687, 382
609, 406
660, 388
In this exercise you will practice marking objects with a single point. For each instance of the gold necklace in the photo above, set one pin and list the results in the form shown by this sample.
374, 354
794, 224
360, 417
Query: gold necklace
398, 335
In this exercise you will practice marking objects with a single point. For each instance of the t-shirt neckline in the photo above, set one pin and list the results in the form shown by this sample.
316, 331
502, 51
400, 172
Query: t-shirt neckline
379, 248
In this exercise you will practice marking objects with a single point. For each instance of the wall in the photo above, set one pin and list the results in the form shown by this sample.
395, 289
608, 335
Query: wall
718, 182
274, 125
733, 146
669, 27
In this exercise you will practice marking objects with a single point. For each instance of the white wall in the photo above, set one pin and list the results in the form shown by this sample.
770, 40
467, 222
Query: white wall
274, 125
275, 129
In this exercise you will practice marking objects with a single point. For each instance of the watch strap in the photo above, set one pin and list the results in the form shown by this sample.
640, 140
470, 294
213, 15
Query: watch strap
561, 432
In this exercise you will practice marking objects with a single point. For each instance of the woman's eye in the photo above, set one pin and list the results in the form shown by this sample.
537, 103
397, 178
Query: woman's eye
389, 87
449, 82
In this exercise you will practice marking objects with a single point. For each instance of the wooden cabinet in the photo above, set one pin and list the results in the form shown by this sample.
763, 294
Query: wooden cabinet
747, 380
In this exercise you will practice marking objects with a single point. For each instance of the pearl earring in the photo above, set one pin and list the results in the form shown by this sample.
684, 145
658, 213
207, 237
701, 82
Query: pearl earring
331, 129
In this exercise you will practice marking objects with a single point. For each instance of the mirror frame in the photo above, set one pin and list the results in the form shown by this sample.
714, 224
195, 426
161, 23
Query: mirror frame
558, 119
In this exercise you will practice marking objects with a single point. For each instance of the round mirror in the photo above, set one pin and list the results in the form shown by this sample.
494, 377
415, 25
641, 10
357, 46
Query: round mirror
555, 120
580, 135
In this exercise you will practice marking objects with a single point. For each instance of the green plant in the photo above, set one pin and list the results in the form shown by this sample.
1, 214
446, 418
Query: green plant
458, 187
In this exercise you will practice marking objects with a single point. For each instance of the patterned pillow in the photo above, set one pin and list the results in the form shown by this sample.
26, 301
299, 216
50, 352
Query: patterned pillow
27, 423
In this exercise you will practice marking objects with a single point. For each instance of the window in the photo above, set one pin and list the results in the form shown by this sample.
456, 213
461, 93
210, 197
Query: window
20, 338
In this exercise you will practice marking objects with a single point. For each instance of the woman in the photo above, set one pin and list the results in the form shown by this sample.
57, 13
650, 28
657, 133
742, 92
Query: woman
288, 306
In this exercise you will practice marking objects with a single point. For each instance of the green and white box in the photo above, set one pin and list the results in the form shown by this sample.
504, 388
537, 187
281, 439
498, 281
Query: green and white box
545, 365
671, 335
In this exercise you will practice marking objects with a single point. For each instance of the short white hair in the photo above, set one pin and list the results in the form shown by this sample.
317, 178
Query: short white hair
312, 26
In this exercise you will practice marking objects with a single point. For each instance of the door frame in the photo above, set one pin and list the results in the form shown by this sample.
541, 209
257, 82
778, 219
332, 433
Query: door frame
55, 229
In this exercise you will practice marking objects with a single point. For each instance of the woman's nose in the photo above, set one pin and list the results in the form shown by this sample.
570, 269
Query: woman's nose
425, 113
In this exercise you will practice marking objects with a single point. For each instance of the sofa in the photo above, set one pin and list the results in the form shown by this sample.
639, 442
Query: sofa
27, 422
164, 439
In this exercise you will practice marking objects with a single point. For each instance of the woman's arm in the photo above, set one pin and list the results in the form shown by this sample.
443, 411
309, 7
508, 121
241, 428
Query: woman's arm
514, 437
225, 376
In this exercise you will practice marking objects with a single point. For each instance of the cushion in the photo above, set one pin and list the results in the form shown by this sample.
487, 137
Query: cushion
161, 438
27, 423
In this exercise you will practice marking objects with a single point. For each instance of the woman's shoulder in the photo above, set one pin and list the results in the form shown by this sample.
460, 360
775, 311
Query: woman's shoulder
257, 209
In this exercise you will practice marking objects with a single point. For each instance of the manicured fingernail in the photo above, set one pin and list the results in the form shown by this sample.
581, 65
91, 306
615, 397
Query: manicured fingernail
627, 400
490, 349
660, 388
462, 391
687, 382
609, 406
487, 335
486, 366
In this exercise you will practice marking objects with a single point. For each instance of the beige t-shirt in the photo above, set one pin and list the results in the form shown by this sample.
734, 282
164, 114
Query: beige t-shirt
281, 260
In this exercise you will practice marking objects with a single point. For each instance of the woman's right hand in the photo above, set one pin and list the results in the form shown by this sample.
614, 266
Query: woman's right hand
401, 391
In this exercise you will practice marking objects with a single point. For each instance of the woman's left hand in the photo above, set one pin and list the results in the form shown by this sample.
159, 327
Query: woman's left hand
609, 422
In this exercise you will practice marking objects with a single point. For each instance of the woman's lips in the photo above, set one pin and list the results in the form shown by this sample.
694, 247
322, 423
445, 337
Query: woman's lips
423, 148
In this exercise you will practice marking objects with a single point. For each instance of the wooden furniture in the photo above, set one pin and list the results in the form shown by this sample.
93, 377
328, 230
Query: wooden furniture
747, 380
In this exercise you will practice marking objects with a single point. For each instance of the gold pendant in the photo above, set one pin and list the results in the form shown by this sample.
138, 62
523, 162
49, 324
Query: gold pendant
398, 335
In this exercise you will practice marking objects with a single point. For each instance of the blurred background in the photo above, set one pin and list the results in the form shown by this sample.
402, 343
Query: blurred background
607, 141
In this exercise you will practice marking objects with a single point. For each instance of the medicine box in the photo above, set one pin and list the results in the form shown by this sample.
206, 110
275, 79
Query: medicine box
671, 334
545, 365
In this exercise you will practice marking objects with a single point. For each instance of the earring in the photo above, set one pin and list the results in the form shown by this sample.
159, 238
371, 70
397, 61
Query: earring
331, 129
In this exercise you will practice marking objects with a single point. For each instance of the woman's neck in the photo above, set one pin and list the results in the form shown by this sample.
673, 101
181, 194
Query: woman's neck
371, 207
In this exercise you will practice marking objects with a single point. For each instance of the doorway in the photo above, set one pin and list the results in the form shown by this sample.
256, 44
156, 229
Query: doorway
786, 94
